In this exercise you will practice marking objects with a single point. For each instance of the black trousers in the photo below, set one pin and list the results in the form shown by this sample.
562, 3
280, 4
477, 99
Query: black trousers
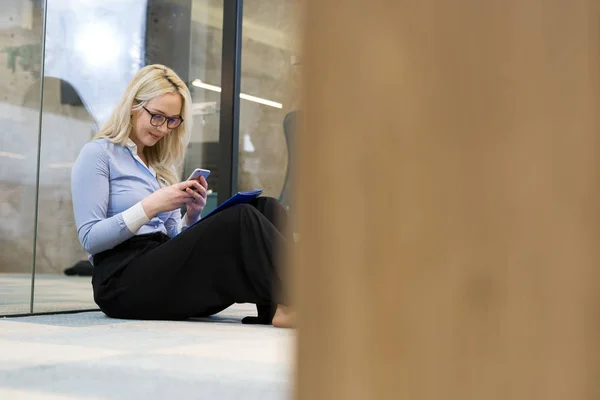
229, 257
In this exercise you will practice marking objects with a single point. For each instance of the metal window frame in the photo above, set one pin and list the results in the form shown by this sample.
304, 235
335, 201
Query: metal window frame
231, 63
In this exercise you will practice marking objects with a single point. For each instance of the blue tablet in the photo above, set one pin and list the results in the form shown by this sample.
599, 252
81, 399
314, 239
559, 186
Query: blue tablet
238, 198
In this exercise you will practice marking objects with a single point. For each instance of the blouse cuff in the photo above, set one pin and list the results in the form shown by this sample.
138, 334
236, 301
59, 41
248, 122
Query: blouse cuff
135, 217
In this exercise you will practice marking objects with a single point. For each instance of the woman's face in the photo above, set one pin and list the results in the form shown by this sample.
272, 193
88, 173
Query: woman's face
144, 132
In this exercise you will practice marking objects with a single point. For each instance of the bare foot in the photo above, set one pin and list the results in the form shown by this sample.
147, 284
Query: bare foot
284, 317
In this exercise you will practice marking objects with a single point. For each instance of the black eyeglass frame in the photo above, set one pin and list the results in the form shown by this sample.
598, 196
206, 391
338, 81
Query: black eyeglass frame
165, 119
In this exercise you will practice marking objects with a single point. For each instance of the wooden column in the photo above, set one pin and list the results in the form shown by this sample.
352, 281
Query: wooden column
448, 199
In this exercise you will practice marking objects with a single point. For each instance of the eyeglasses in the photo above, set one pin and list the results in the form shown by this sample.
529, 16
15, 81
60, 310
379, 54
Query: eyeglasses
158, 120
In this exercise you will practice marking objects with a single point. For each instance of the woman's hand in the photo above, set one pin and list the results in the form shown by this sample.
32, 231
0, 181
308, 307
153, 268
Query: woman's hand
195, 207
170, 198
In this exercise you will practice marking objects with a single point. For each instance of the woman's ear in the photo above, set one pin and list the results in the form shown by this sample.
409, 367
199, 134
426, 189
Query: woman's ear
132, 117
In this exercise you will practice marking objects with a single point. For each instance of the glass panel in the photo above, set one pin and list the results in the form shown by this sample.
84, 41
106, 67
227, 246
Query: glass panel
205, 79
268, 95
93, 49
20, 66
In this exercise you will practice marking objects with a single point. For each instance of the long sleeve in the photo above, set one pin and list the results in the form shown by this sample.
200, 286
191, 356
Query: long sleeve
90, 192
174, 223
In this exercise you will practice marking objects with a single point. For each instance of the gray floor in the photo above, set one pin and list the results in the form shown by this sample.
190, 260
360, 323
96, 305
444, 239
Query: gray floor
52, 293
89, 356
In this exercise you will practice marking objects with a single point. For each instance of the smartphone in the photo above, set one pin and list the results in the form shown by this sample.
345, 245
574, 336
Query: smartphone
199, 172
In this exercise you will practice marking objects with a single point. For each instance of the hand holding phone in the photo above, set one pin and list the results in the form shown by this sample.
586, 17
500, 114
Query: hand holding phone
198, 172
195, 207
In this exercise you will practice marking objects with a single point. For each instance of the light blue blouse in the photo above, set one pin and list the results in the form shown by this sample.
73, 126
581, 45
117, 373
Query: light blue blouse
108, 183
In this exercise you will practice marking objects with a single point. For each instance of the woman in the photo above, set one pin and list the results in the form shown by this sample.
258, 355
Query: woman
127, 200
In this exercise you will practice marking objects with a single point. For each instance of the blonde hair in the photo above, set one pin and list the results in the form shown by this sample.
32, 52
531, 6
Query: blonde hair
148, 83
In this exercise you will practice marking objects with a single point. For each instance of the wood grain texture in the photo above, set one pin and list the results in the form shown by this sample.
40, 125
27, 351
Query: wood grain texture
448, 200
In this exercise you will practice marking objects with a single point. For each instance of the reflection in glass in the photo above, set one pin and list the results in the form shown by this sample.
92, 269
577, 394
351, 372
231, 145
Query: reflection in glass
20, 66
268, 102
205, 66
96, 46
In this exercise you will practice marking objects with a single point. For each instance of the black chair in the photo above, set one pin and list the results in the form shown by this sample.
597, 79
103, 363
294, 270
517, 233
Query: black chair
289, 129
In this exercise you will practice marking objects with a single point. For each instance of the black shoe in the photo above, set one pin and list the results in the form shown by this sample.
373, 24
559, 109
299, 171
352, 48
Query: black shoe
265, 315
81, 268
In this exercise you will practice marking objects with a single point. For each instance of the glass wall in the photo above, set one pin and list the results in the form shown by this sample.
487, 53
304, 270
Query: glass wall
20, 66
269, 96
92, 49
205, 77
